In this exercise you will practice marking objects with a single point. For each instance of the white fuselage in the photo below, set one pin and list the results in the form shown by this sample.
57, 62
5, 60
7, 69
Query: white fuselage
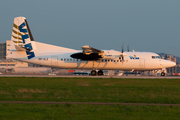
54, 56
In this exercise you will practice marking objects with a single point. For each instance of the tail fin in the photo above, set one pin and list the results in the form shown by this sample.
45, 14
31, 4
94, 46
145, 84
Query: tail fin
22, 39
21, 34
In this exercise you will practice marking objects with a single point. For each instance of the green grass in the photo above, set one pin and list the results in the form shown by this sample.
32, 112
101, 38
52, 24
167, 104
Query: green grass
87, 112
90, 90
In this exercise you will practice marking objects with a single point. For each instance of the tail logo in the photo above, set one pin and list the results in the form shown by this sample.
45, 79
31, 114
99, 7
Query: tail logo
29, 54
24, 31
24, 35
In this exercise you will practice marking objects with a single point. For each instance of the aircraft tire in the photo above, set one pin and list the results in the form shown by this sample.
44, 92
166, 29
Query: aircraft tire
93, 73
162, 74
100, 72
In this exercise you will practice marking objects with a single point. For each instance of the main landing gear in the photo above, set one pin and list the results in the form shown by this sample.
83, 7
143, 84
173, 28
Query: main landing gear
94, 73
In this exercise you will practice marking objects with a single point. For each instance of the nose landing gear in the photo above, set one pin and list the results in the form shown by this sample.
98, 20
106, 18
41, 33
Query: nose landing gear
163, 74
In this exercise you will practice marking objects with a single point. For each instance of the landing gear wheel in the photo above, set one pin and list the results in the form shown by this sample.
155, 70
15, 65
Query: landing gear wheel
93, 73
162, 74
100, 72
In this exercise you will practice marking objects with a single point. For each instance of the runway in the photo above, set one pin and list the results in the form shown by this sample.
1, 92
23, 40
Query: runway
85, 76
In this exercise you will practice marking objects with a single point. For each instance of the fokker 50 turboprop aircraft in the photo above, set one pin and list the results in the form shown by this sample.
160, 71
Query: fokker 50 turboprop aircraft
24, 48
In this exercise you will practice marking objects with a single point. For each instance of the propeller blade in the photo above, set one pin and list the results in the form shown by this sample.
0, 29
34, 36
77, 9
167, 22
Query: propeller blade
128, 48
122, 47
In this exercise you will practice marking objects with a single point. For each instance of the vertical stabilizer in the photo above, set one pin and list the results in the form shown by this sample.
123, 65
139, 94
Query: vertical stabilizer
22, 39
21, 33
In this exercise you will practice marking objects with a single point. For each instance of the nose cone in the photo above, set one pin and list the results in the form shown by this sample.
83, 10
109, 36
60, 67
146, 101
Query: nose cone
167, 63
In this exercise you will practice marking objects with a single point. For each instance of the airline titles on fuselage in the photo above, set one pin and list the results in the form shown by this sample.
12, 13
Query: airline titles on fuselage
133, 57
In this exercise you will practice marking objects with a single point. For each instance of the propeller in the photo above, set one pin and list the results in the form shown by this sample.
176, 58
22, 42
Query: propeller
122, 56
128, 48
122, 47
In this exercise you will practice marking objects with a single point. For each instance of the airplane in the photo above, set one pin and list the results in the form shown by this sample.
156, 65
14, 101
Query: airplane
24, 48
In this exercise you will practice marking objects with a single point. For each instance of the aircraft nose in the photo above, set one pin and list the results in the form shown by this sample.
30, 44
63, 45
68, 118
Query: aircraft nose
168, 63
173, 64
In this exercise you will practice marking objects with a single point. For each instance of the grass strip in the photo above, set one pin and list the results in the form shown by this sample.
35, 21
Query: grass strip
88, 112
166, 91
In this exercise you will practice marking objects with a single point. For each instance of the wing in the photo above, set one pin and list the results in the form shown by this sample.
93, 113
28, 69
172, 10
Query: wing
88, 53
89, 50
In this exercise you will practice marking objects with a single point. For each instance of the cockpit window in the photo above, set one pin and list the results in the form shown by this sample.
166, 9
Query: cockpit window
156, 57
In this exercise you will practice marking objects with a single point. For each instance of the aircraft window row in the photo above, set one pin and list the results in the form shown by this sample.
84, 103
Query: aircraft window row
7, 64
68, 59
64, 59
42, 58
104, 60
156, 57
